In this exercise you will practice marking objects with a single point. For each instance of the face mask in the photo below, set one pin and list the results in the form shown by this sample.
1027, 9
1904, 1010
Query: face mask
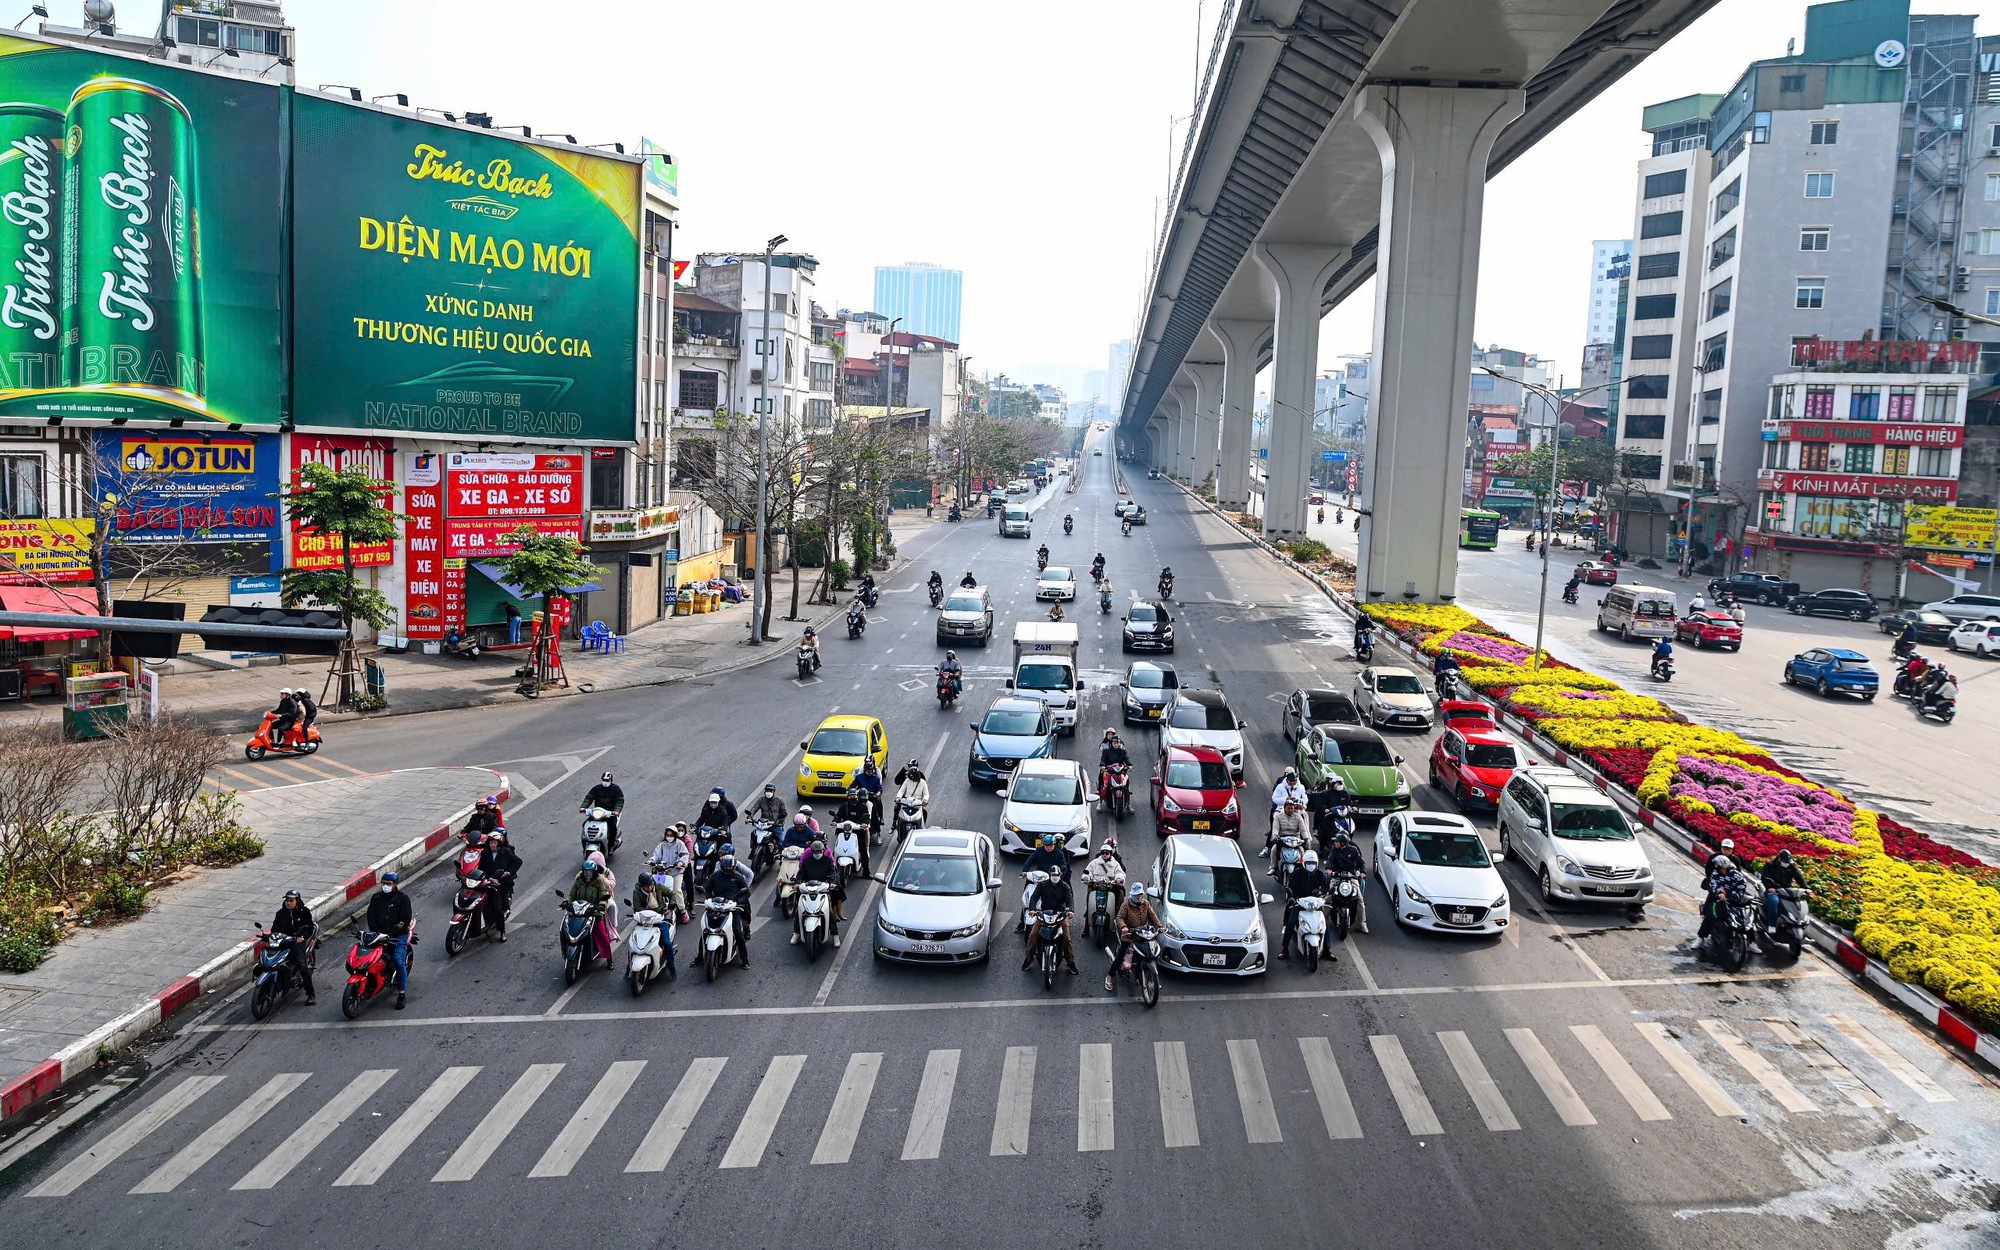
387, 888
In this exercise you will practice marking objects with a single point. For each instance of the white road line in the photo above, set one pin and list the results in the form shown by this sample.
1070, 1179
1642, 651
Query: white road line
492, 1129
1403, 1084
382, 1155
1094, 1129
1822, 1060
1644, 1103
1353, 950
850, 1104
746, 1148
1016, 1105
277, 1164
1253, 1093
1757, 1066
1542, 1066
672, 1123
857, 935
1335, 1107
1706, 1087
1881, 1052
216, 1136
113, 1145
583, 1127
1478, 1082
1170, 1069
927, 1119
47, 1129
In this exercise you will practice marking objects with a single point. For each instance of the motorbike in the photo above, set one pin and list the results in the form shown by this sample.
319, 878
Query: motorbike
949, 686
1041, 561
1943, 710
1049, 932
600, 831
1125, 528
813, 917
468, 856
1569, 595
1729, 934
788, 881
937, 596
763, 847
1905, 685
297, 741
708, 844
1118, 790
1069, 527
1166, 588
1141, 964
1291, 849
369, 970
718, 935
1097, 924
806, 658
1788, 936
869, 595
649, 951
1311, 930
1663, 670
1902, 651
1364, 648
1032, 878
1450, 685
1097, 571
954, 514
468, 913
847, 849
1346, 901
910, 814
275, 976
578, 938
1104, 601
857, 624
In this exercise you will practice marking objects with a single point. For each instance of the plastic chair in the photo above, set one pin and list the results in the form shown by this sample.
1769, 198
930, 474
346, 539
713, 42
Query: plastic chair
597, 638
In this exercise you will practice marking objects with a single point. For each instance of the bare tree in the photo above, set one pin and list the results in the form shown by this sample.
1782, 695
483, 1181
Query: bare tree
728, 483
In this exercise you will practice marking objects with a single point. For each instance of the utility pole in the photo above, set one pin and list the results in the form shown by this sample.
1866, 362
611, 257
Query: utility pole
758, 604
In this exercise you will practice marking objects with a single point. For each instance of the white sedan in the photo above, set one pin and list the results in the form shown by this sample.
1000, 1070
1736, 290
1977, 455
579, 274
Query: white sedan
1056, 582
1979, 637
1438, 875
1046, 796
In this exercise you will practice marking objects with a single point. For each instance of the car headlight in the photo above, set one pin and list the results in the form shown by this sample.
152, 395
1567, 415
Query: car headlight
1167, 803
1402, 784
805, 768
893, 930
1568, 866
1171, 929
1498, 903
1167, 632
1413, 894
1645, 872
1013, 828
1255, 933
1229, 808
971, 930
977, 758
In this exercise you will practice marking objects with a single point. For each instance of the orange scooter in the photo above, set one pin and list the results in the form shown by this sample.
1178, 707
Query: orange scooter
296, 742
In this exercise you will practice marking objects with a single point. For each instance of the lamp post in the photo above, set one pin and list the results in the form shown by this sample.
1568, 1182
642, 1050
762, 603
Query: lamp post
765, 344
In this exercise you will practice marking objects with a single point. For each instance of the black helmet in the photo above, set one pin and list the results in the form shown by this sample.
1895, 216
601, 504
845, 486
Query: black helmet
293, 896
606, 776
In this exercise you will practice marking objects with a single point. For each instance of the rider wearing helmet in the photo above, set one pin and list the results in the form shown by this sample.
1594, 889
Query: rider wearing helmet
1110, 751
1780, 873
1302, 880
718, 812
295, 919
1344, 860
968, 581
1104, 871
607, 795
1137, 912
798, 834
817, 864
501, 864
730, 882
390, 912
768, 807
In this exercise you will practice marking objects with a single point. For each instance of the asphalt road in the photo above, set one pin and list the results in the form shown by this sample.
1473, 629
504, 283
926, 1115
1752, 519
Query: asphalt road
1582, 1081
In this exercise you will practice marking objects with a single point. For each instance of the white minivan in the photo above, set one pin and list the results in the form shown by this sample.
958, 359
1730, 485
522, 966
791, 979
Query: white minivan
1573, 840
1014, 521
1636, 612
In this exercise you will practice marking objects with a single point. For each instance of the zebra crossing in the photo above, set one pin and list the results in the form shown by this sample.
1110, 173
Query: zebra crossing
1512, 1080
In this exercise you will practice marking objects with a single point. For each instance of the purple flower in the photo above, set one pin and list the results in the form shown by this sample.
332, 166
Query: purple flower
1731, 788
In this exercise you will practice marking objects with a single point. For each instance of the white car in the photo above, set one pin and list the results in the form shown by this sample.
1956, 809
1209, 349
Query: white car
1572, 839
1438, 875
1209, 907
1124, 506
1978, 637
1046, 796
1056, 582
1202, 718
1387, 694
938, 899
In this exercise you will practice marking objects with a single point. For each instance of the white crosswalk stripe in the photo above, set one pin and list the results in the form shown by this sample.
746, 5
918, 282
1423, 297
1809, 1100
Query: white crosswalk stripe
1706, 1087
1644, 1103
1878, 1050
277, 1164
1253, 1093
1759, 1068
1335, 1107
1177, 1121
1478, 1082
376, 1161
672, 1123
1094, 1128
1820, 1059
219, 1134
499, 1121
1408, 1092
114, 1145
850, 1104
753, 1133
1017, 1102
1542, 1066
582, 1129
927, 1118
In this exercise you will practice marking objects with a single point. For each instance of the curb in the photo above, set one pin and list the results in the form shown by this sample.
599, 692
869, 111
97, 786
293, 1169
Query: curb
80, 1057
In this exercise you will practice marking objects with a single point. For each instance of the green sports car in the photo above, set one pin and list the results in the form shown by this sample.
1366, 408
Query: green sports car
1358, 756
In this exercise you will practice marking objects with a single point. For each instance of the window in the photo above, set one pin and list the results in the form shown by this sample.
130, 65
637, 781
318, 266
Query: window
1993, 186
1896, 460
1791, 82
700, 389
607, 477
1819, 186
1760, 124
1647, 386
1672, 182
1903, 404
1861, 457
1715, 353
1864, 403
1819, 403
1723, 250
21, 487
1982, 243
1728, 198
1814, 238
1718, 297
1824, 134
1659, 225
1933, 462
1993, 301
1779, 395
1938, 404
1811, 293
1993, 136
1813, 455
1651, 347
1660, 265
1640, 425
1777, 455
1653, 308
1711, 407
1643, 468
820, 412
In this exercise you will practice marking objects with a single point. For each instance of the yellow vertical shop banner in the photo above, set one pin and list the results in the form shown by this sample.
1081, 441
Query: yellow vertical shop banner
45, 550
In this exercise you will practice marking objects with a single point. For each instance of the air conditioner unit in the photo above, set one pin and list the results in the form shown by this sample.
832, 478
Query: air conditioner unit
756, 376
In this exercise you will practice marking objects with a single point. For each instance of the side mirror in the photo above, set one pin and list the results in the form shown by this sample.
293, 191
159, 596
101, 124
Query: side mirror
883, 877
1399, 759
1264, 898
1499, 857
802, 746
1002, 791
975, 726
992, 883
1080, 686
1010, 683
1535, 823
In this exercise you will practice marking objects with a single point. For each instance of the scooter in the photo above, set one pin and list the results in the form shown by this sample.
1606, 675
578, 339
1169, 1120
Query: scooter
468, 858
763, 847
1104, 601
370, 970
578, 938
1118, 790
949, 686
1311, 930
868, 595
1166, 589
296, 742
954, 514
649, 951
708, 843
1291, 850
1033, 877
1569, 595
910, 814
1941, 710
1346, 909
788, 881
600, 832
275, 976
813, 918
1069, 527
1125, 529
718, 935
1902, 651
847, 849
806, 658
937, 596
857, 623
1097, 923
1905, 685
1364, 648
1788, 936
1729, 935
1049, 932
1663, 670
1141, 965
468, 912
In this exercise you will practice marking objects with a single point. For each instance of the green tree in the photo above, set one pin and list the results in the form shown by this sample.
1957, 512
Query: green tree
346, 504
1587, 460
545, 563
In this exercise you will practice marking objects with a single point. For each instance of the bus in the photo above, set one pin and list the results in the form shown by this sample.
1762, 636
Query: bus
1478, 529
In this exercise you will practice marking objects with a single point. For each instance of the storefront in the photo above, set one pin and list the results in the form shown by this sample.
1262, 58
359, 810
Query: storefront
636, 548
33, 657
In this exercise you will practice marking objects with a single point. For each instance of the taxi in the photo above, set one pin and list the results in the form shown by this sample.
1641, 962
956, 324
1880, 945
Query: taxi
834, 753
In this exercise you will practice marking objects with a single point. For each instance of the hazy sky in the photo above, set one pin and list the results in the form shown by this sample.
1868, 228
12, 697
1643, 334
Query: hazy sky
1025, 142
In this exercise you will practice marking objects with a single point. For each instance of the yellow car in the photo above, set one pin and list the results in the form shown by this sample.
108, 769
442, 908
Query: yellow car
834, 753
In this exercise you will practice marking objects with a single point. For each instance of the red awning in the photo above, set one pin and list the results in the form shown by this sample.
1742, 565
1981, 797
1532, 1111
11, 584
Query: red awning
45, 599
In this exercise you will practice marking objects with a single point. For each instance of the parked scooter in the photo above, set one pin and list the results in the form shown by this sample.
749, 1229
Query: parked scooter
297, 741
1787, 938
370, 970
649, 951
580, 938
468, 911
718, 936
275, 976
1311, 930
812, 919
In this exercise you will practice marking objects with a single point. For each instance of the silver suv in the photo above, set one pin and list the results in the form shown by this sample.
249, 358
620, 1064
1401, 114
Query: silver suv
1963, 608
1573, 840
967, 616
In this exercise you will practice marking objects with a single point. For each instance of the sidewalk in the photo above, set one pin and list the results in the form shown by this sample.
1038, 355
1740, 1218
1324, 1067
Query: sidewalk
104, 988
673, 649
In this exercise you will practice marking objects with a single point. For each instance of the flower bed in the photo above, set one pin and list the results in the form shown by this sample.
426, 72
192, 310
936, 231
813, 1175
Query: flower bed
1476, 647
1543, 701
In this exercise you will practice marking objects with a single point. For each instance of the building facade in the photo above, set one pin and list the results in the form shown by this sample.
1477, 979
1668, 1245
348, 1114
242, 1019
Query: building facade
1610, 260
925, 297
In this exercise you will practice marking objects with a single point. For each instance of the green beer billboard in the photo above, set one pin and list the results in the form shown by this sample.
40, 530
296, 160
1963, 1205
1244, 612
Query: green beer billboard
140, 240
449, 281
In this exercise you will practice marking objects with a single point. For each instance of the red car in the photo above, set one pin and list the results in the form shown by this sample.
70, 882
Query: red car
1709, 629
1193, 793
1467, 716
1597, 573
1473, 767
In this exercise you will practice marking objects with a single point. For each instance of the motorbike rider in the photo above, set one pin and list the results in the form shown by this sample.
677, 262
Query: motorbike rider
913, 787
1042, 554
870, 779
1723, 882
798, 834
485, 818
810, 641
607, 795
717, 813
1780, 873
390, 912
288, 715
295, 919
1346, 858
1288, 790
1111, 751
1326, 807
1125, 527
1570, 588
308, 710
1097, 566
728, 882
936, 581
1055, 611
968, 581
1930, 688
502, 864
1290, 822
675, 854
950, 667
655, 890
768, 807
817, 864
1662, 655
1137, 912
1054, 895
868, 594
858, 809
1446, 668
1166, 578
1104, 871
857, 615
1364, 634
1104, 592
1302, 880
1069, 523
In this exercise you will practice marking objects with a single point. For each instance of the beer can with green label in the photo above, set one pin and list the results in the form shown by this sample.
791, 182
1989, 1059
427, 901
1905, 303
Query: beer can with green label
31, 218
132, 248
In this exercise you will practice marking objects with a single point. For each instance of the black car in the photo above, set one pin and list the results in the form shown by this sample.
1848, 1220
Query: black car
1309, 707
1148, 690
1932, 627
1149, 628
1754, 588
1855, 605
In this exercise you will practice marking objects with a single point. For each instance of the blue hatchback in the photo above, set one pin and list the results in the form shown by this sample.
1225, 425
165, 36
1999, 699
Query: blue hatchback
1833, 670
1013, 729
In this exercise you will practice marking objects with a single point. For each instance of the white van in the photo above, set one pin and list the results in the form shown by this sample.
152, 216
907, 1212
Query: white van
1014, 521
1636, 612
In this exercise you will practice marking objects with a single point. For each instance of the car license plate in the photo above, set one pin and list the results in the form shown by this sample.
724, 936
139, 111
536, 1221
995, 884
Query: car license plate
1153, 712
1214, 961
928, 948
1461, 917
1198, 824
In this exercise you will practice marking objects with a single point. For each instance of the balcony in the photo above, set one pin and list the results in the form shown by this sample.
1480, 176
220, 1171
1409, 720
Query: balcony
706, 349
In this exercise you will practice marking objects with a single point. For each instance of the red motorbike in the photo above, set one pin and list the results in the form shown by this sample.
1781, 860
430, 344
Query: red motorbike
1115, 787
468, 856
370, 970
297, 741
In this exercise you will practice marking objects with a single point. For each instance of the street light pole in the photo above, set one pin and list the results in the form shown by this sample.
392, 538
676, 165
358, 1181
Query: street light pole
765, 344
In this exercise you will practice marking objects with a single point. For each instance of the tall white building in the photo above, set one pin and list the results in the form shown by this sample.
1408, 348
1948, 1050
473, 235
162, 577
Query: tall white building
1610, 261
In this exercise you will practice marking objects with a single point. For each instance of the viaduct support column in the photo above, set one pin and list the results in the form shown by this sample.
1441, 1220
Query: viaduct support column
1434, 143
1301, 272
1156, 443
1239, 396
1207, 377
1182, 393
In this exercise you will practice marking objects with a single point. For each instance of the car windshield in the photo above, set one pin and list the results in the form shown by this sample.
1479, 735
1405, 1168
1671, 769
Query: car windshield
1445, 848
1398, 683
964, 603
1490, 755
1154, 679
1015, 723
1331, 707
1589, 822
1141, 614
840, 742
1061, 790
1663, 608
1055, 573
1044, 677
936, 874
1369, 751
1213, 888
1198, 775
1202, 716
1857, 664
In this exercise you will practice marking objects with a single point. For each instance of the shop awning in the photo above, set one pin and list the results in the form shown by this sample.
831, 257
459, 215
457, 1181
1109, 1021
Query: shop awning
46, 599
498, 577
